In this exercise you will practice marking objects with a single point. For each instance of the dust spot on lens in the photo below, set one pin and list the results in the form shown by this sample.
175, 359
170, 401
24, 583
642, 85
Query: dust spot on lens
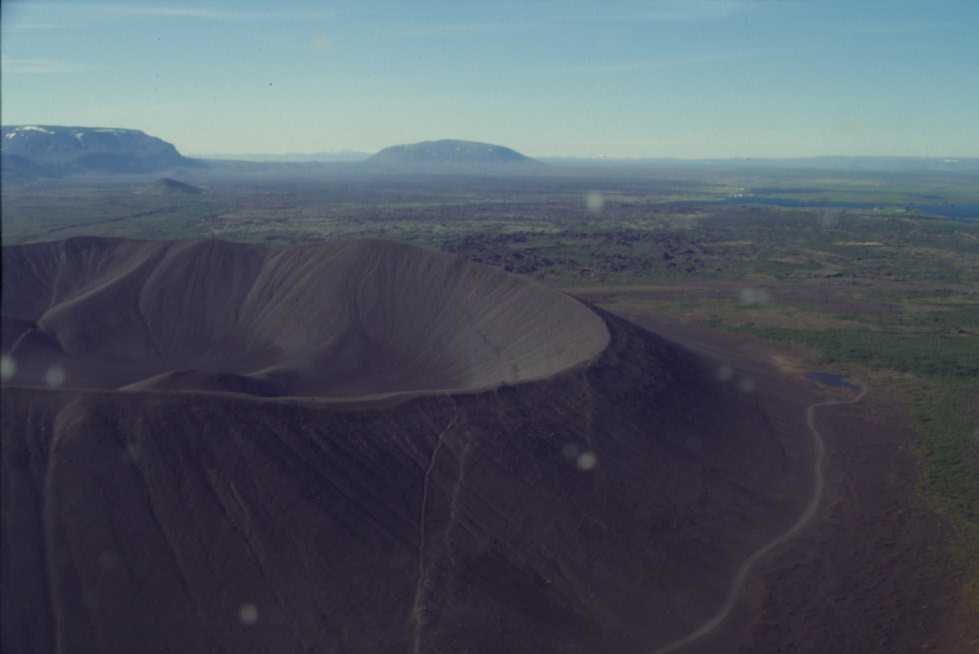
55, 376
746, 385
587, 461
570, 451
829, 218
725, 373
754, 296
8, 367
248, 614
595, 201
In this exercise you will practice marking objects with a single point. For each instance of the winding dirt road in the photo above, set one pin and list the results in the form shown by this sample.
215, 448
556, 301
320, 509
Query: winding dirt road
737, 584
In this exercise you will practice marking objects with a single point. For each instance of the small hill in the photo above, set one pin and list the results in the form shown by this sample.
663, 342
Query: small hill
449, 153
50, 151
168, 185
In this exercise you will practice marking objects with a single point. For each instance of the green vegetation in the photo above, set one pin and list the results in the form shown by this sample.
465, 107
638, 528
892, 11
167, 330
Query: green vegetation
928, 355
948, 429
946, 420
944, 396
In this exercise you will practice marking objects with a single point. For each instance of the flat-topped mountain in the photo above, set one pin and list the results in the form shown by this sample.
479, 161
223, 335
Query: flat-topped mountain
449, 152
52, 150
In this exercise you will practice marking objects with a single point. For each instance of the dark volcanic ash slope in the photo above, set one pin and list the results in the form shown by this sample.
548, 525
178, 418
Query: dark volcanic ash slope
587, 487
50, 150
332, 319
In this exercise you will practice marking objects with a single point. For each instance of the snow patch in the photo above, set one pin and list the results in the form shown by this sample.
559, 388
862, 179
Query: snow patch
34, 128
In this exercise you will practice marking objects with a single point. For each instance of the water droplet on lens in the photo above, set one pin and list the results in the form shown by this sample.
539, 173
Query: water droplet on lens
595, 201
55, 376
8, 367
754, 296
248, 614
587, 461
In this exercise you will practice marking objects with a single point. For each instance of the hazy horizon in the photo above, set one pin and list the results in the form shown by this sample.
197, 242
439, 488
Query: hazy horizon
350, 151
697, 79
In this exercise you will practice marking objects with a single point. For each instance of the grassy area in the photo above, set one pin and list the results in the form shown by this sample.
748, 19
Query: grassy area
944, 413
946, 420
943, 388
927, 355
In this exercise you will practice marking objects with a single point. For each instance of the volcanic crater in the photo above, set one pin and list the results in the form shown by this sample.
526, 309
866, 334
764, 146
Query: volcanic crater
362, 447
334, 319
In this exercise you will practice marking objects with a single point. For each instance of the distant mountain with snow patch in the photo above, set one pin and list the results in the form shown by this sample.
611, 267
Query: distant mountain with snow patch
30, 151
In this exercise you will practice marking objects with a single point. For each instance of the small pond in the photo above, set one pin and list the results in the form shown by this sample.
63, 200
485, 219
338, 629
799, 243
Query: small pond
831, 379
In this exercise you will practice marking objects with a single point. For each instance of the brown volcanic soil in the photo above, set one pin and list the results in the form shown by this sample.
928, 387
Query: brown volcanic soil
161, 521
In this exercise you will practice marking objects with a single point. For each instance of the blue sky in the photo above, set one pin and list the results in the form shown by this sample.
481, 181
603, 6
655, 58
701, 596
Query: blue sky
670, 78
